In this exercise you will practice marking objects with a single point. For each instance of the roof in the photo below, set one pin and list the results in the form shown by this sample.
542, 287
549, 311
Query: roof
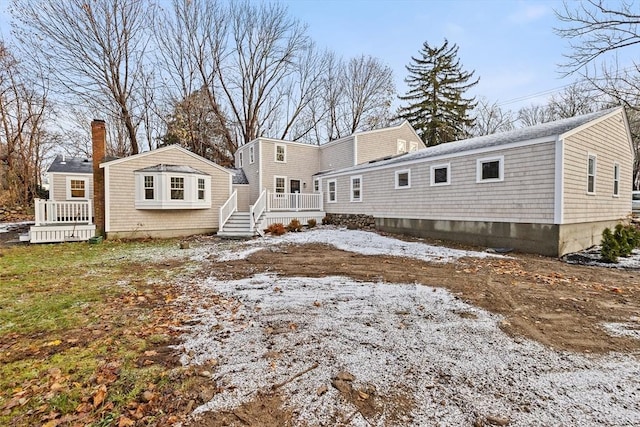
171, 168
238, 176
63, 164
544, 130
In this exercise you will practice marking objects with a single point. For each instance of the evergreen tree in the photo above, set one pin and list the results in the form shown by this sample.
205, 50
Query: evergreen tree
436, 107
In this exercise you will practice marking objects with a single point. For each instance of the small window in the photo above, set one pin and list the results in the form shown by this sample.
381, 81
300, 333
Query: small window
251, 156
280, 184
77, 187
281, 153
413, 146
616, 179
591, 175
331, 190
440, 174
149, 188
490, 169
240, 159
356, 188
403, 179
201, 189
177, 188
402, 146
316, 185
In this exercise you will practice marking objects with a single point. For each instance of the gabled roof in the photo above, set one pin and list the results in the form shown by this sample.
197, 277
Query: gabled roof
550, 130
63, 164
171, 168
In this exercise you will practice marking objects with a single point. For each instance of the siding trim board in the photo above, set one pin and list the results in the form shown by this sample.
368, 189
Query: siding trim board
558, 215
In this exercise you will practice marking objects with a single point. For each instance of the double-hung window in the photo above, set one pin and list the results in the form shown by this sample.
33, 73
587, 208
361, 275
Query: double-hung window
591, 174
331, 191
149, 188
77, 188
251, 155
616, 179
356, 188
402, 146
240, 159
280, 184
172, 187
201, 189
177, 188
281, 153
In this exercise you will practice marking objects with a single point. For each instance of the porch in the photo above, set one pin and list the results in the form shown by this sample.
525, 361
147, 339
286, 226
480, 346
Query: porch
270, 208
62, 221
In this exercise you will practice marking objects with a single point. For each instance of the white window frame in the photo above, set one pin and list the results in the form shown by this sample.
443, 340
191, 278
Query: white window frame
401, 146
316, 185
446, 166
480, 162
335, 191
353, 197
397, 179
86, 187
275, 184
202, 189
251, 155
162, 191
594, 175
616, 179
154, 186
284, 153
240, 159
413, 146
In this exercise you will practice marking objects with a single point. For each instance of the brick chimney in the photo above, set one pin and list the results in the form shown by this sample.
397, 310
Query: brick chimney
99, 148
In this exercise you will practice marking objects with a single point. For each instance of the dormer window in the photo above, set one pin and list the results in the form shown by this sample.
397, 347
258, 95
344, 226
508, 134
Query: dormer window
172, 187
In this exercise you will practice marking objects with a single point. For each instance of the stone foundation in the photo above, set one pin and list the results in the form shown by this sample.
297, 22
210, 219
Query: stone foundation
351, 221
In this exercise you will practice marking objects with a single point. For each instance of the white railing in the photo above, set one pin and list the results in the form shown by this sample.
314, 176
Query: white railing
226, 210
60, 212
294, 201
256, 210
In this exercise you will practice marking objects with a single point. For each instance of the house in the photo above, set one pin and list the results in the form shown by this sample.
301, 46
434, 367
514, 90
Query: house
548, 189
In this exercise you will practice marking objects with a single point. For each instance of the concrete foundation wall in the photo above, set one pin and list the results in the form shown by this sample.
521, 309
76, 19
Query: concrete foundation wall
159, 234
543, 239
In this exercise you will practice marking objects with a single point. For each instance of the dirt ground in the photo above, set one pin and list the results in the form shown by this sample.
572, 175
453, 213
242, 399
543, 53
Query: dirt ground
547, 300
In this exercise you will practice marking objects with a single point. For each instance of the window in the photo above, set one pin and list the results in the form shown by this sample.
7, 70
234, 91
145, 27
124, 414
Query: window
413, 146
316, 185
201, 188
177, 188
251, 156
77, 188
356, 188
440, 174
403, 179
402, 146
331, 190
240, 159
149, 189
281, 153
280, 184
490, 169
616, 179
591, 175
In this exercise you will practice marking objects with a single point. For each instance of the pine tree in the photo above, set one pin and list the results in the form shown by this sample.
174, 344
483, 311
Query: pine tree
436, 107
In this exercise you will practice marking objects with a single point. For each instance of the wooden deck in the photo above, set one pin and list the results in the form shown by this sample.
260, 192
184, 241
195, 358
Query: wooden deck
62, 221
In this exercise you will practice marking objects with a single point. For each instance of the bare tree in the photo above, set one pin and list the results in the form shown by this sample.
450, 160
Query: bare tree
574, 100
94, 50
490, 118
533, 115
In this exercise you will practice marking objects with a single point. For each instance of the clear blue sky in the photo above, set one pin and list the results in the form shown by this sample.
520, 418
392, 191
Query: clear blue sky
509, 43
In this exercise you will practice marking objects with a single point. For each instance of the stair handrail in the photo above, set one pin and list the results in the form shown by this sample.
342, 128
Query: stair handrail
257, 209
226, 210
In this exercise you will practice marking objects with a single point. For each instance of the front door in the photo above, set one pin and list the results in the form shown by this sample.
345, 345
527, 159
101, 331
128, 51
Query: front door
294, 185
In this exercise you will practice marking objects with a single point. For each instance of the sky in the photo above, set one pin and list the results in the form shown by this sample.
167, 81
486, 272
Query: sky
510, 44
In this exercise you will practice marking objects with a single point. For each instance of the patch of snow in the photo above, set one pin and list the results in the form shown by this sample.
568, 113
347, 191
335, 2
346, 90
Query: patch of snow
592, 256
5, 227
624, 329
450, 358
357, 241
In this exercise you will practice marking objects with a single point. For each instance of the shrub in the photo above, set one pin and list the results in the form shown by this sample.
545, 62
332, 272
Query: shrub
311, 223
294, 225
610, 247
326, 220
277, 229
622, 236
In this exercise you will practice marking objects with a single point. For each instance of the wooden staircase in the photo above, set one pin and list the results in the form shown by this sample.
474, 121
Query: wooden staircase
238, 226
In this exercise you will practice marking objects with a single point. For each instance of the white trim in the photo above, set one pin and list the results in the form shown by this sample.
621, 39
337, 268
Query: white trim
275, 153
335, 191
275, 187
558, 209
413, 146
479, 162
355, 150
162, 191
316, 185
616, 179
84, 179
433, 174
240, 159
485, 150
252, 155
595, 173
401, 146
351, 198
107, 201
260, 151
397, 181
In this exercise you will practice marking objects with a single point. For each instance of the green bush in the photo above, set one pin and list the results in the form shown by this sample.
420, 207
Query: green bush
621, 235
610, 247
621, 242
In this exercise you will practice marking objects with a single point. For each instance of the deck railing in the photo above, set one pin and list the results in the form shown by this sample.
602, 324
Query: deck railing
256, 210
229, 207
50, 212
294, 201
